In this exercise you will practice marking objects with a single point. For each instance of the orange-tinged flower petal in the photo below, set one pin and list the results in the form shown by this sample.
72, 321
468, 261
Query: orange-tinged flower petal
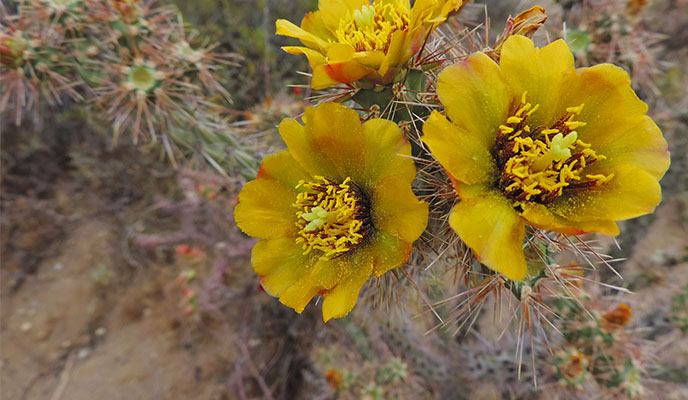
264, 210
476, 96
489, 225
538, 215
603, 88
279, 262
397, 210
540, 72
343, 72
321, 78
385, 148
342, 298
335, 131
286, 28
319, 278
461, 154
630, 193
282, 167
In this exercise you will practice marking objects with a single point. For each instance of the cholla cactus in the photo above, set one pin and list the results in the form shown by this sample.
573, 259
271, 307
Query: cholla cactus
517, 153
34, 65
135, 63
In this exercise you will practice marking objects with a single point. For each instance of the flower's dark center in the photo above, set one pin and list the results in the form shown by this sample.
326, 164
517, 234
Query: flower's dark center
537, 163
371, 27
331, 217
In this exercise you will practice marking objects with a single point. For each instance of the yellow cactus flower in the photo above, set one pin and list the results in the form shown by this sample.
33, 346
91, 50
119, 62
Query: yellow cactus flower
535, 141
349, 40
332, 209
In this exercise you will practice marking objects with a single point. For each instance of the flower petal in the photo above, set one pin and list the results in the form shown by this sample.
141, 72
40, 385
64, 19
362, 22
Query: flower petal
491, 228
389, 252
611, 107
265, 209
396, 209
384, 150
303, 150
334, 10
286, 28
630, 193
335, 131
642, 146
538, 215
282, 167
318, 278
476, 96
280, 263
341, 299
540, 72
342, 72
460, 153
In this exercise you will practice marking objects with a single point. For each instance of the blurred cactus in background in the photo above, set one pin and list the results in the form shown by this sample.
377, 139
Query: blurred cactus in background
136, 65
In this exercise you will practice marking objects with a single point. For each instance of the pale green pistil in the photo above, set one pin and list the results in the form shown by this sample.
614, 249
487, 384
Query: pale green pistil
316, 219
559, 150
365, 16
143, 78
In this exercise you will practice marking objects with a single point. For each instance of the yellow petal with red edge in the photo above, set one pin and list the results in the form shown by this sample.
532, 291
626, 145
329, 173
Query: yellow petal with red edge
265, 209
630, 193
396, 209
540, 72
491, 228
319, 278
641, 145
611, 107
538, 215
464, 156
282, 167
280, 263
321, 78
386, 152
475, 96
303, 150
341, 299
333, 11
342, 72
335, 132
286, 28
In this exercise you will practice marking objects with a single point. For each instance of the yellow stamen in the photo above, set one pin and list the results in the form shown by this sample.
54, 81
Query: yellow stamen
330, 216
539, 167
371, 27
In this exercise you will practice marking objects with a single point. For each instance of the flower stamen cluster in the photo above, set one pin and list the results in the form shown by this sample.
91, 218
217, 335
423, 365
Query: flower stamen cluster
537, 163
331, 217
371, 27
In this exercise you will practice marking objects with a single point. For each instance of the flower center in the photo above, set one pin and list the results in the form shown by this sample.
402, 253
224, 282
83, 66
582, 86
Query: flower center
538, 163
142, 78
331, 217
371, 27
